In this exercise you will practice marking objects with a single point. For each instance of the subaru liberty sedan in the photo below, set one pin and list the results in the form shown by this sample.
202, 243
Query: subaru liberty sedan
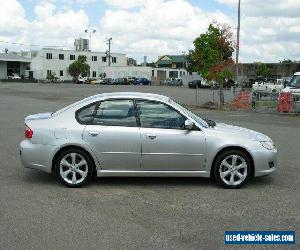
139, 134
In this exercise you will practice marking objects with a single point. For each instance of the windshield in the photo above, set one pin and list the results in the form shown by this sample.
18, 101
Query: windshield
191, 114
295, 81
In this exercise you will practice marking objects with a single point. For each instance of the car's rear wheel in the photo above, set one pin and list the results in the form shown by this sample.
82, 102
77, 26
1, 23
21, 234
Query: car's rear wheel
74, 167
232, 168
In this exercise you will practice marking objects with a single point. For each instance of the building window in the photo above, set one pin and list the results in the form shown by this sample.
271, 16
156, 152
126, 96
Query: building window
61, 56
49, 56
114, 59
103, 58
94, 58
152, 72
61, 73
173, 74
72, 57
94, 73
48, 72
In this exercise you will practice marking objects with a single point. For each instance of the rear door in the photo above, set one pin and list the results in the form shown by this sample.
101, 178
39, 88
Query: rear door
166, 144
114, 135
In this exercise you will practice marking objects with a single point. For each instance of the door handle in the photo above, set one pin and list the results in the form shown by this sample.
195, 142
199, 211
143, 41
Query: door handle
151, 137
93, 133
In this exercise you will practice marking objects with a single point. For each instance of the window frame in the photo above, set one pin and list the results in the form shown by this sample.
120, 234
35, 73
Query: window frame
137, 117
72, 56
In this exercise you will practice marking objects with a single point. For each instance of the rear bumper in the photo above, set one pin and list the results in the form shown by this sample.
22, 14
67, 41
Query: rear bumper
36, 156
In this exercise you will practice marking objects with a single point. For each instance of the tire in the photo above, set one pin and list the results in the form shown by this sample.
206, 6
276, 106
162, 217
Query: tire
232, 177
74, 167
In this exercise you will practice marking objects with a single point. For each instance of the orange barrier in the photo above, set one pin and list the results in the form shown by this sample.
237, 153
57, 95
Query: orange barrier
242, 100
285, 102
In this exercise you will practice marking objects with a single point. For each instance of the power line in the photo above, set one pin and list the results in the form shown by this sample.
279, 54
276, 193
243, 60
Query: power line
29, 45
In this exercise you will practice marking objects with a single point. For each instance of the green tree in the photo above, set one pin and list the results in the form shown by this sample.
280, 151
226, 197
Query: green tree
262, 70
190, 60
213, 54
51, 77
79, 68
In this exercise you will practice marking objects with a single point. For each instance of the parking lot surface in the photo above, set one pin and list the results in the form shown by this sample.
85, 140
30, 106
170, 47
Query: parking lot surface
36, 212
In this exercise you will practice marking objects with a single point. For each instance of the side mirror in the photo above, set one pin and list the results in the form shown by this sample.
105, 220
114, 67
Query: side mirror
188, 124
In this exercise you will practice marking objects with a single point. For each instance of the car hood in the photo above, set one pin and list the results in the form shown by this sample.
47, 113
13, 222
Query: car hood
38, 116
240, 132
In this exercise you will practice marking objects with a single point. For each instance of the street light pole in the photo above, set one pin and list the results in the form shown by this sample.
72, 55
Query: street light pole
109, 44
238, 43
90, 34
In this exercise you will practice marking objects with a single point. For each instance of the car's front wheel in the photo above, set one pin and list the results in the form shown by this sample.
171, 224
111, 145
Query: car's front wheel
232, 169
74, 167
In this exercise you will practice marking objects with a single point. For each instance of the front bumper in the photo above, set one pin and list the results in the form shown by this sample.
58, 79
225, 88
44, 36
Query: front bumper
265, 162
36, 156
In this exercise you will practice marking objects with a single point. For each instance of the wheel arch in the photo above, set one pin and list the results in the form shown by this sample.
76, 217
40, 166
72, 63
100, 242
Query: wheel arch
66, 147
227, 148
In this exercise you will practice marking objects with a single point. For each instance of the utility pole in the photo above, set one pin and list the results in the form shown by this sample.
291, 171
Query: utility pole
108, 52
90, 34
238, 43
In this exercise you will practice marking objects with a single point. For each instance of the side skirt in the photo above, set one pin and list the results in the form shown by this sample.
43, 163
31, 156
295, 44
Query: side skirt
125, 173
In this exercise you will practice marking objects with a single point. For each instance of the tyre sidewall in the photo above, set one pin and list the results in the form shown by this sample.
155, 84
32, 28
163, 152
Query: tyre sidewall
217, 166
85, 156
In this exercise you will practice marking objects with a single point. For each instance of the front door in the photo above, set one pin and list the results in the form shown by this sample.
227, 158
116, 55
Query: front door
166, 144
114, 135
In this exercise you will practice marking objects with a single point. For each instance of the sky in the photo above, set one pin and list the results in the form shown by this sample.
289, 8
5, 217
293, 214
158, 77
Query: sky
270, 29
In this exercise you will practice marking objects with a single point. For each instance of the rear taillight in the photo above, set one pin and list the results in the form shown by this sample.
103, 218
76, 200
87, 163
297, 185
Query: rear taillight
28, 132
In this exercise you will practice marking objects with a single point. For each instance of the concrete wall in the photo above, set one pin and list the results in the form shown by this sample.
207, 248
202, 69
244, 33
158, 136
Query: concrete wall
3, 70
278, 70
132, 71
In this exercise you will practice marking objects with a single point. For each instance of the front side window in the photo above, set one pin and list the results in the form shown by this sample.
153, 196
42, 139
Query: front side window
61, 56
103, 58
159, 115
116, 113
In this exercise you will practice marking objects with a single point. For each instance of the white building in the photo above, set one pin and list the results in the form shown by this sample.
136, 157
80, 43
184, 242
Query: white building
58, 61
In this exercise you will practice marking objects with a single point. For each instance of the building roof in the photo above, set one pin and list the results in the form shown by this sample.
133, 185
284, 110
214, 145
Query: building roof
9, 57
169, 59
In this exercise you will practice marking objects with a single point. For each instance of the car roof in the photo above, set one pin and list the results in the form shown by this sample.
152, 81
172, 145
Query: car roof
116, 95
135, 95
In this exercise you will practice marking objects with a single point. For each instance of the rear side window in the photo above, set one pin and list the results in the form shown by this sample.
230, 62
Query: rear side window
116, 113
85, 115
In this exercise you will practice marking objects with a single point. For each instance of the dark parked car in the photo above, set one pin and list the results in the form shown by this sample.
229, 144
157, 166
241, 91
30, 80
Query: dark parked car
194, 84
141, 81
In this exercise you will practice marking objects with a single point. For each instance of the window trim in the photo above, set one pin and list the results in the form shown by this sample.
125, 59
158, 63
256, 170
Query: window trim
137, 117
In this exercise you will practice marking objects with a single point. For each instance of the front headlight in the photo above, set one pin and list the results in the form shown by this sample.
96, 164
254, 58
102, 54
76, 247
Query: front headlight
267, 144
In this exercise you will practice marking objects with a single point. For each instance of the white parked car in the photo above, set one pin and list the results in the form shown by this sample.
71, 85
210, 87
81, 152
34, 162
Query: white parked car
268, 86
14, 76
294, 85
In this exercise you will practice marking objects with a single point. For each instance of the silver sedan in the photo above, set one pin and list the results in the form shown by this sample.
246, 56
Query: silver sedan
138, 134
